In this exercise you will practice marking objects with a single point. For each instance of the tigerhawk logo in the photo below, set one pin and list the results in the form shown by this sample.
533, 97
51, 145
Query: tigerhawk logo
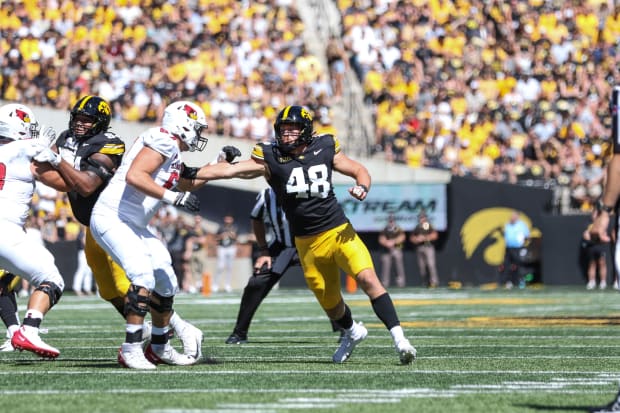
485, 229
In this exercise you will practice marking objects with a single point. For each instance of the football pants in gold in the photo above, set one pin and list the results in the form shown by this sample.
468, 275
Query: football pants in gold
324, 255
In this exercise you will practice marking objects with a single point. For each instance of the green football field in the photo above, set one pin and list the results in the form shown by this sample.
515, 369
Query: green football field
544, 350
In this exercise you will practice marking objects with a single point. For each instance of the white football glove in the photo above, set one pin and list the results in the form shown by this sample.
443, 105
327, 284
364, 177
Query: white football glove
48, 155
48, 136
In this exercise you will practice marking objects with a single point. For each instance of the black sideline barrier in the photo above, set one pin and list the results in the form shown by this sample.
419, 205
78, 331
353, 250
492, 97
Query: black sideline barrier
468, 253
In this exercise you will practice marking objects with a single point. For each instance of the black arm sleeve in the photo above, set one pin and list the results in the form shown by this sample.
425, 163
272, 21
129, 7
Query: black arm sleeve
100, 170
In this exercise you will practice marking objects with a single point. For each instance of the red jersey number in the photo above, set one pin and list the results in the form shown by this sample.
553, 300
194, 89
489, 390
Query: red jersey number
2, 175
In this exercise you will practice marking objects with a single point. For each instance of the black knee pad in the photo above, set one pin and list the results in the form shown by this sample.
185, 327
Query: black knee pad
52, 290
164, 305
136, 303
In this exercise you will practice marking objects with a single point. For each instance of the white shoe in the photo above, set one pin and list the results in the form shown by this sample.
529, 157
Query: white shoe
406, 351
616, 286
591, 285
348, 343
168, 356
191, 337
130, 355
602, 285
7, 346
28, 339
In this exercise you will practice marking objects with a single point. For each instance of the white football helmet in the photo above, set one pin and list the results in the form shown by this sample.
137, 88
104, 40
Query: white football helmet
187, 121
18, 122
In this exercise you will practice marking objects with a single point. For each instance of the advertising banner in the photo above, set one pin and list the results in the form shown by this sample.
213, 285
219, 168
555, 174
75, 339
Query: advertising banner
403, 201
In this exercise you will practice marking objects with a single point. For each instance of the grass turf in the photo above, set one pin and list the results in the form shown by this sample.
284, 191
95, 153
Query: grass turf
543, 350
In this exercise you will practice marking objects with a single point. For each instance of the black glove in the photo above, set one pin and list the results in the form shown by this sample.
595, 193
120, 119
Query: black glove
189, 172
188, 201
231, 153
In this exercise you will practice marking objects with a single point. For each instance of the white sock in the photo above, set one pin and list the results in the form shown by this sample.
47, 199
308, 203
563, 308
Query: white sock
397, 333
354, 331
132, 328
176, 322
160, 331
34, 314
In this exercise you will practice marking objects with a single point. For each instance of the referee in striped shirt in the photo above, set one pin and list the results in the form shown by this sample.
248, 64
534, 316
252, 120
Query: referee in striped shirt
276, 253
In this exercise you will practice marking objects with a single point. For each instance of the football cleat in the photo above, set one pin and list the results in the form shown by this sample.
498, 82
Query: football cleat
23, 339
348, 343
406, 351
130, 355
235, 338
191, 337
7, 346
168, 356
341, 333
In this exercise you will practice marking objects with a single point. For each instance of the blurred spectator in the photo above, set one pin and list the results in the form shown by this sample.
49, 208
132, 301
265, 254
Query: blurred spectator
226, 252
595, 252
516, 234
177, 244
392, 239
519, 63
196, 254
423, 238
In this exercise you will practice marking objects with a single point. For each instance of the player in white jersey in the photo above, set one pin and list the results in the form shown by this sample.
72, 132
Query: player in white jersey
145, 179
18, 172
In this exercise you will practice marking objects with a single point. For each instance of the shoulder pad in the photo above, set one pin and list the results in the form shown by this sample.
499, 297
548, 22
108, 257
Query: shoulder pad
161, 141
108, 142
61, 138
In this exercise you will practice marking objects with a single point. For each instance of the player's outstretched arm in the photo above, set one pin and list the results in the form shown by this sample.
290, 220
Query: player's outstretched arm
247, 169
355, 170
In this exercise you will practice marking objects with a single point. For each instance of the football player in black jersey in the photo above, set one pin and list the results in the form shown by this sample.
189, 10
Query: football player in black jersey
299, 166
88, 155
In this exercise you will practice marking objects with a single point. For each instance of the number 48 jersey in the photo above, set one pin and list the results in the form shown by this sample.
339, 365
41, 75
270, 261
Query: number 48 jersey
303, 184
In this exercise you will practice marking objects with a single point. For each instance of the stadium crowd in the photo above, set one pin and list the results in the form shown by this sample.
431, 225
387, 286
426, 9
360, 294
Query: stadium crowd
515, 90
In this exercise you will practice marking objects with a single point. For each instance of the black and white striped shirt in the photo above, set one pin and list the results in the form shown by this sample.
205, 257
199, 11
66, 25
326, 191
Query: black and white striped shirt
269, 210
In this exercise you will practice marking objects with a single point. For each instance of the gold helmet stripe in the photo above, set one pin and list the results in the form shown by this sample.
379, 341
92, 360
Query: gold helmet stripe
84, 101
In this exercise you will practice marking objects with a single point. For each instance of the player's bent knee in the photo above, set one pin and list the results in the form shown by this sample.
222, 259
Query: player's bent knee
53, 291
259, 279
137, 303
160, 303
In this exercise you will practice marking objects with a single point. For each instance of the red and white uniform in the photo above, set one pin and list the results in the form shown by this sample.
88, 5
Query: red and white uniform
121, 215
18, 253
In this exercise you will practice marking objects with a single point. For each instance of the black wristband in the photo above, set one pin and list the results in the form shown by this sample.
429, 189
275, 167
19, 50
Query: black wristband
600, 206
364, 187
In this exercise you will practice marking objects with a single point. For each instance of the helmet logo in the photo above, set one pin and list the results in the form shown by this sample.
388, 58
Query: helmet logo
305, 114
104, 108
191, 112
22, 115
